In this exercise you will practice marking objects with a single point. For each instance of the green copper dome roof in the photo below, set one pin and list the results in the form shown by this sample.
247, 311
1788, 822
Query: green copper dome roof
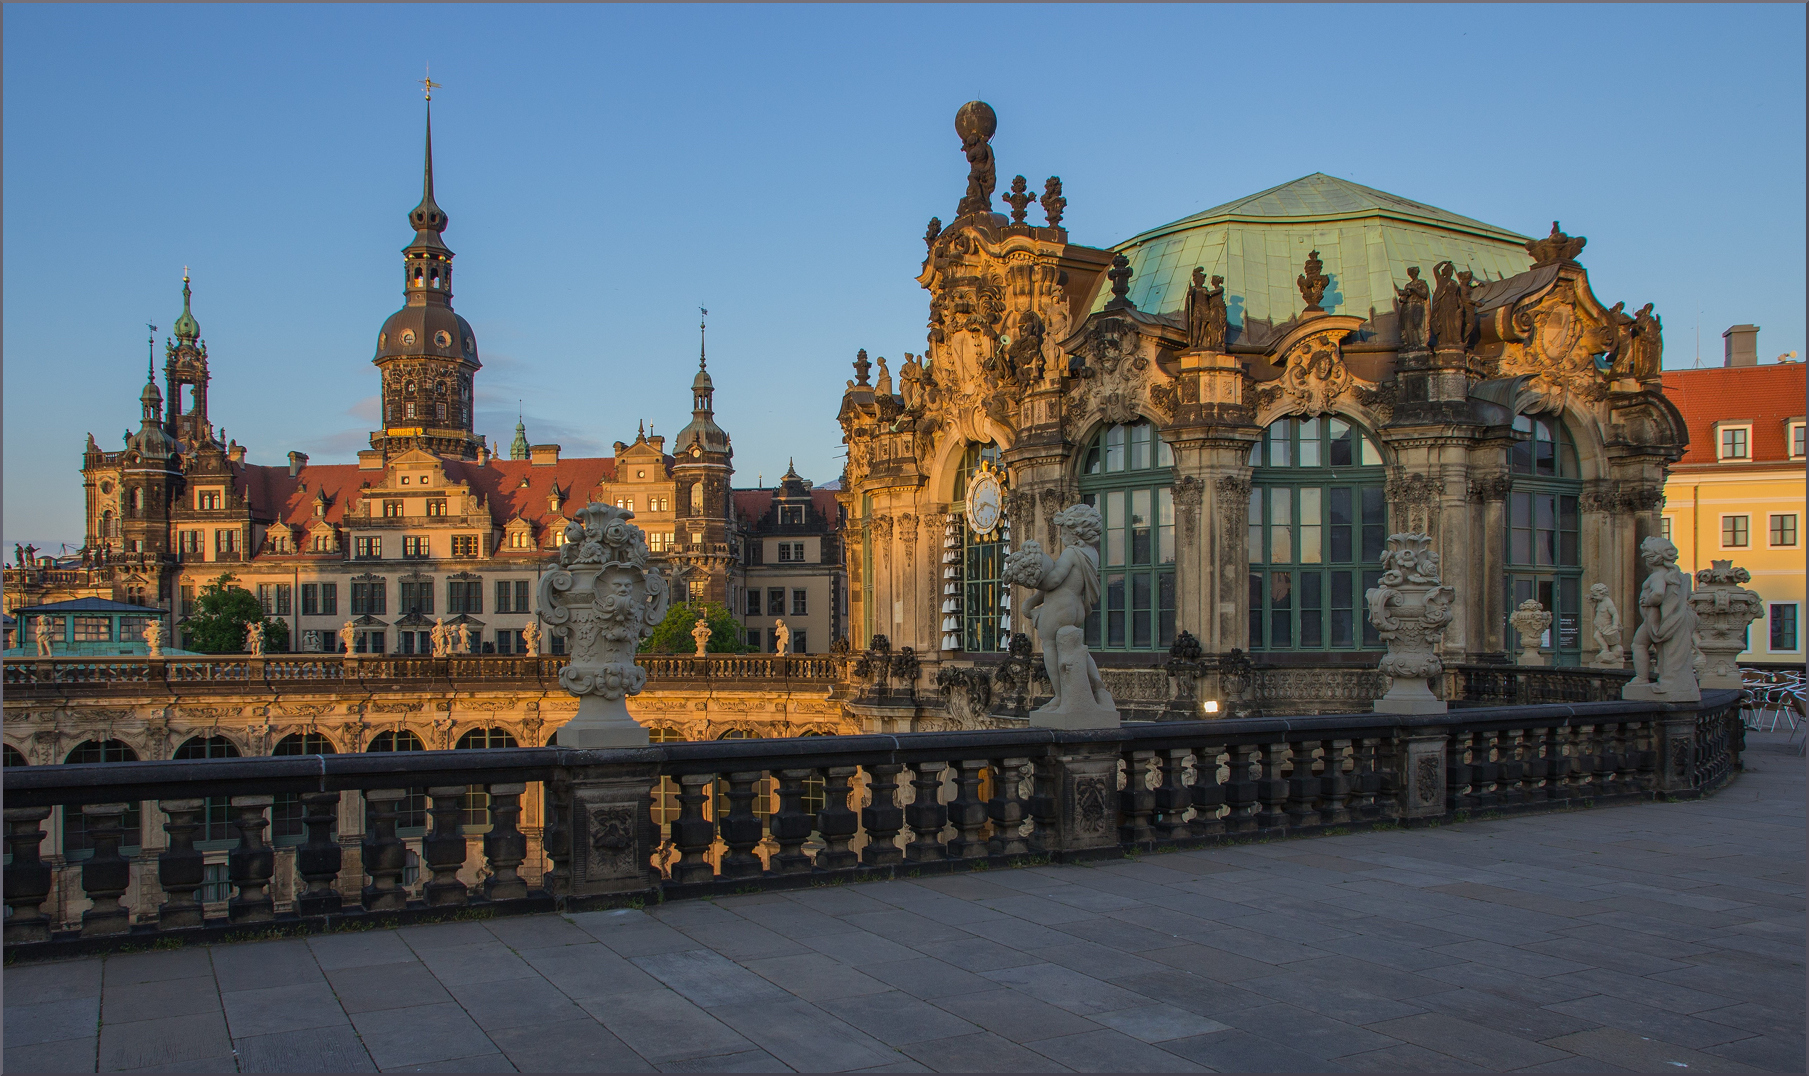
186, 327
1366, 238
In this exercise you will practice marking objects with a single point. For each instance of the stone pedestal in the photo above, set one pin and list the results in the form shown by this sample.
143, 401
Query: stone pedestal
1410, 607
1724, 610
611, 832
1085, 790
1423, 775
1081, 703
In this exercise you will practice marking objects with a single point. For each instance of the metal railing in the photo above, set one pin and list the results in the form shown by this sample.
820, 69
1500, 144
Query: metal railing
689, 819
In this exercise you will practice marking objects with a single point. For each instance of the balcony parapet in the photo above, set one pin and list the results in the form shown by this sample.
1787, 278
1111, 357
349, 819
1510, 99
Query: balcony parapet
704, 818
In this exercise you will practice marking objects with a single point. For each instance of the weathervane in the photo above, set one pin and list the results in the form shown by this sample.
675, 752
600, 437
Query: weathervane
150, 358
428, 85
702, 317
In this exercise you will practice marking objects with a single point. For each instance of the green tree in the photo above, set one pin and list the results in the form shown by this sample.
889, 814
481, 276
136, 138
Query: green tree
223, 613
673, 634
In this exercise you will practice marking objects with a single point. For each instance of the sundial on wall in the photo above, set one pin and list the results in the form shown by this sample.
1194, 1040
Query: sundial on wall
984, 500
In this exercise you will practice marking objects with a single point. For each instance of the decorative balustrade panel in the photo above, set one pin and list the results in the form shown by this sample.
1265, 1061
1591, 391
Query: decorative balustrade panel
685, 818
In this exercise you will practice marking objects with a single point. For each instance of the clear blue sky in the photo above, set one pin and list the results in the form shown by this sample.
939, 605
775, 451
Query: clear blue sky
607, 169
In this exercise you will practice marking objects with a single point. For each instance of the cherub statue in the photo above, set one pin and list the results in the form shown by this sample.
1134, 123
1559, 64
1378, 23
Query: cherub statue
464, 638
442, 638
1607, 624
530, 638
153, 637
348, 638
44, 636
701, 633
781, 638
1066, 589
1667, 628
254, 639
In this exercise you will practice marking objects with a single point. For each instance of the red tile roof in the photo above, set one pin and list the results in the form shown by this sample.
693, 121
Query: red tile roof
1767, 396
271, 491
752, 504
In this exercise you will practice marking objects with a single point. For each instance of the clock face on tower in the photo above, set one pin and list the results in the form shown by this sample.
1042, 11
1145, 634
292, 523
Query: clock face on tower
983, 502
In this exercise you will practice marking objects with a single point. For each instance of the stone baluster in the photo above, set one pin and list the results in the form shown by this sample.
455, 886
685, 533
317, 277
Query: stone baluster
1334, 786
444, 847
1365, 781
967, 811
1626, 757
181, 869
1007, 808
1137, 803
1391, 772
385, 856
28, 877
1457, 777
251, 864
1647, 776
1584, 760
1510, 767
317, 861
1172, 796
1608, 758
505, 846
1303, 786
926, 815
740, 827
1241, 789
1044, 798
556, 837
692, 833
1208, 793
1272, 789
1484, 771
106, 875
836, 821
883, 818
792, 826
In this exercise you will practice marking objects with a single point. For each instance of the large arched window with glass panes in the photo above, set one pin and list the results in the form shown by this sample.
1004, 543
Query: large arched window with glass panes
1127, 473
1317, 523
1543, 539
981, 558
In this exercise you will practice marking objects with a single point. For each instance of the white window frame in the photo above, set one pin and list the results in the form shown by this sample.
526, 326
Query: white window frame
1724, 427
1722, 536
1798, 544
1666, 527
1790, 429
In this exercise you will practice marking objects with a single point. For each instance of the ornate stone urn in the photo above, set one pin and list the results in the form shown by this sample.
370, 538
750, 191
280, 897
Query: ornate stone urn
604, 600
1530, 620
1410, 607
1723, 610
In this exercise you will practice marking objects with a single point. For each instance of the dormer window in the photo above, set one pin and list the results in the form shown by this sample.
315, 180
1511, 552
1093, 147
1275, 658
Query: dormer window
319, 509
791, 513
1733, 442
1794, 438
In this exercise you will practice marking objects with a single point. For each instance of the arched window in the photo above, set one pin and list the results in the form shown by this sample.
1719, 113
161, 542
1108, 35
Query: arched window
1543, 547
137, 500
408, 387
477, 801
439, 412
218, 814
286, 812
1317, 523
77, 842
411, 812
1127, 475
982, 556
106, 527
697, 498
14, 757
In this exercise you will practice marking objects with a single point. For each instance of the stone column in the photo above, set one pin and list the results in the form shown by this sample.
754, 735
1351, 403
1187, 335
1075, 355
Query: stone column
1724, 611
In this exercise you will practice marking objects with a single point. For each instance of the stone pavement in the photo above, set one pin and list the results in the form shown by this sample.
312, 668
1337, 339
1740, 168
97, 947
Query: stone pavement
1650, 938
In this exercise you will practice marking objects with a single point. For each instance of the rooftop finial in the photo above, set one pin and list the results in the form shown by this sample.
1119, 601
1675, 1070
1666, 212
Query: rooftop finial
150, 358
702, 316
428, 85
976, 123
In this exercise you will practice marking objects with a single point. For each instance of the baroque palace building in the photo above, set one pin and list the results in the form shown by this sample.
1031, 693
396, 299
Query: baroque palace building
1254, 397
431, 522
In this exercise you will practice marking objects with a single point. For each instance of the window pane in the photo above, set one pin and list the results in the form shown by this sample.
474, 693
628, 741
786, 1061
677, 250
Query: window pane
1115, 449
1374, 523
1370, 636
1310, 515
1281, 611
1112, 509
1339, 432
1310, 606
1114, 601
1783, 627
1281, 537
1140, 526
1340, 525
1165, 456
1256, 546
1309, 442
1372, 456
1256, 611
1165, 599
1140, 610
1342, 611
1278, 443
1165, 518
1140, 447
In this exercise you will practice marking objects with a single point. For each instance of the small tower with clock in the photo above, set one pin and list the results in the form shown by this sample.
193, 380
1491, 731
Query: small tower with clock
702, 466
427, 353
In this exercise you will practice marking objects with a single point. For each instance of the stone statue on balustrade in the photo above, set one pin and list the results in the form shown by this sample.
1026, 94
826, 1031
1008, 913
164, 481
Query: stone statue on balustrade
781, 638
530, 638
1410, 305
348, 638
1607, 634
1207, 317
1665, 642
254, 639
1410, 607
442, 638
604, 599
45, 638
1531, 622
1724, 610
701, 632
153, 637
464, 639
1065, 590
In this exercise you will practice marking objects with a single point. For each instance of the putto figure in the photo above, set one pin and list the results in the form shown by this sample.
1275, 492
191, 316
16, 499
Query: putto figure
701, 632
605, 599
1667, 630
44, 637
781, 638
530, 638
254, 639
153, 637
348, 635
1065, 591
1607, 633
976, 123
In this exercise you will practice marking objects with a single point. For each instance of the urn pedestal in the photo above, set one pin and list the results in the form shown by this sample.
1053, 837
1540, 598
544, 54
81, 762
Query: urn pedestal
1724, 610
1530, 621
1410, 607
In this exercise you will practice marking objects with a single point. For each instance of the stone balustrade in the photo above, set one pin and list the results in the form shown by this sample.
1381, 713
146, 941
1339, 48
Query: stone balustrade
687, 819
